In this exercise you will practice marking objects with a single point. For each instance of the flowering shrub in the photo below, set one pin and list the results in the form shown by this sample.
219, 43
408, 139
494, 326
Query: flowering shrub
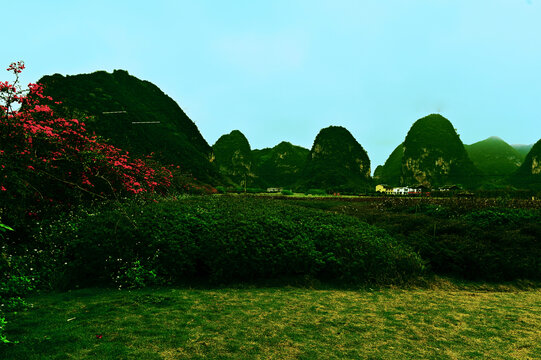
45, 159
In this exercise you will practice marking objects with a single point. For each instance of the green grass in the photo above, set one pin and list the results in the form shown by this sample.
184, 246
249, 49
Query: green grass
280, 323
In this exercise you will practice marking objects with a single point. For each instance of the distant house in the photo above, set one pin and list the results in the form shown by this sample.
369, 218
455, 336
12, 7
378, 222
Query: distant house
404, 190
401, 190
408, 190
274, 190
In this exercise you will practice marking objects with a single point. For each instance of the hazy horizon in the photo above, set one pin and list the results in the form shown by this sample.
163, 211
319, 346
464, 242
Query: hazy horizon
282, 70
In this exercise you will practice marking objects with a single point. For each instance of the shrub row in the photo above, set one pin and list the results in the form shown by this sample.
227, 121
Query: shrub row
223, 239
472, 240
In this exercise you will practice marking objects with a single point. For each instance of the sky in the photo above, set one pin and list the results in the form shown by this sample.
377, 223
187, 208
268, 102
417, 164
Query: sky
282, 70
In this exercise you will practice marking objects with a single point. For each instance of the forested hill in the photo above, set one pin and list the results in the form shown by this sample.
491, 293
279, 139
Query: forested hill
389, 173
152, 122
337, 162
279, 166
234, 158
494, 157
434, 155
528, 176
523, 150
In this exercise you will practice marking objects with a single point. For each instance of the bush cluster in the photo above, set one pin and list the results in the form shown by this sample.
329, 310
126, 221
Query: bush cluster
225, 239
14, 285
474, 239
316, 192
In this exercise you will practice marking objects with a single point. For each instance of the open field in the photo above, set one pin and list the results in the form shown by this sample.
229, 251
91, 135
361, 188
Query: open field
279, 323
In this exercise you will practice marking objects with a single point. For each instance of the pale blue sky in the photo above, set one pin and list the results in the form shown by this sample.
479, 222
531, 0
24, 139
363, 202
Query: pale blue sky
282, 70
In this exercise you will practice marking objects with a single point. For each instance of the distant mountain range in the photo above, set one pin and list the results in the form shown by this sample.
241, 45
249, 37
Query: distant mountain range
336, 162
433, 155
137, 116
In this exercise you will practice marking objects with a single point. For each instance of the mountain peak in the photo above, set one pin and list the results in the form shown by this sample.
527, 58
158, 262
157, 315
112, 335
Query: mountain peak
337, 162
234, 157
529, 173
434, 154
279, 166
494, 157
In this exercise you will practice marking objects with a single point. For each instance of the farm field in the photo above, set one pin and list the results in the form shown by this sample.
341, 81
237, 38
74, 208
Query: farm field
472, 322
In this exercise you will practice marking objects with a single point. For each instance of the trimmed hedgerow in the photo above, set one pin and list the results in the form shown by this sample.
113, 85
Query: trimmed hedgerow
227, 239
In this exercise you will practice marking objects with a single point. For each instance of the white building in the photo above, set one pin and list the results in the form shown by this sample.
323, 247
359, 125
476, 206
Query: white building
405, 190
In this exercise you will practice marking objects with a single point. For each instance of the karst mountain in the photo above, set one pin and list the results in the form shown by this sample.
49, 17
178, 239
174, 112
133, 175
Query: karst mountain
134, 115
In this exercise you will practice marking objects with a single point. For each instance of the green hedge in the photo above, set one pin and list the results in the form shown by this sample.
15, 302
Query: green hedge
226, 239
469, 241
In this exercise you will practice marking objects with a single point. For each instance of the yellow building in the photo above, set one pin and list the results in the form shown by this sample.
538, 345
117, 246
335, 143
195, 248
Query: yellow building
384, 189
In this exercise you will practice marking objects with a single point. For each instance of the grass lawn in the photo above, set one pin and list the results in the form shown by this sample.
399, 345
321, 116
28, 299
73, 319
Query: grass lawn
279, 323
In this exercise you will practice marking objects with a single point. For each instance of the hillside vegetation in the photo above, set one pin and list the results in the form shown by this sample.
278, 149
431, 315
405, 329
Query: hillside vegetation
523, 150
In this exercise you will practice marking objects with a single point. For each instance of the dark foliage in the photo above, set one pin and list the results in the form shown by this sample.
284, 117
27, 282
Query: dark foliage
226, 239
479, 239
